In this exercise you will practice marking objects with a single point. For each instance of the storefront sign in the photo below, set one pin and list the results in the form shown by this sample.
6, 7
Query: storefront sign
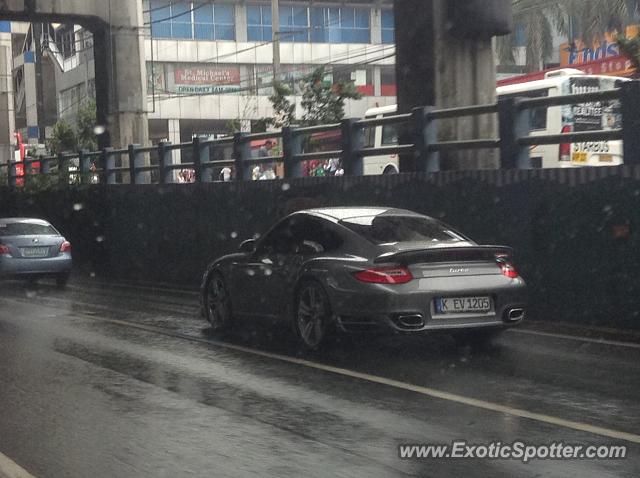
206, 79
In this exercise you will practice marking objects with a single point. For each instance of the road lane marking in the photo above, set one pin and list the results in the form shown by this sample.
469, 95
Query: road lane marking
614, 343
426, 391
10, 469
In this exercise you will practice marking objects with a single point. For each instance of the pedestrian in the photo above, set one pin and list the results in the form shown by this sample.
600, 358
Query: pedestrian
225, 174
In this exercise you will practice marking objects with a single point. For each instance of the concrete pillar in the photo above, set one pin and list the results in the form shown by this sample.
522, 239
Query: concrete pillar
376, 24
7, 116
455, 71
30, 98
241, 22
120, 68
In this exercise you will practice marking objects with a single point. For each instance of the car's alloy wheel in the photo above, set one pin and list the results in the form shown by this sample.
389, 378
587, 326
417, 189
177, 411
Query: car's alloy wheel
218, 304
312, 315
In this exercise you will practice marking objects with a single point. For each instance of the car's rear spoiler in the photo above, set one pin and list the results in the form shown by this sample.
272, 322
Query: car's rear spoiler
446, 254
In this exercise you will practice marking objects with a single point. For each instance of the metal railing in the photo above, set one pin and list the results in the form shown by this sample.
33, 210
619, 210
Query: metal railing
133, 164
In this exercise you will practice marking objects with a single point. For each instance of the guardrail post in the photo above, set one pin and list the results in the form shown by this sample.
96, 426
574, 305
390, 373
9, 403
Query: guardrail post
425, 132
45, 165
352, 142
164, 161
630, 99
84, 163
109, 162
63, 170
291, 146
514, 124
198, 153
136, 161
12, 173
241, 154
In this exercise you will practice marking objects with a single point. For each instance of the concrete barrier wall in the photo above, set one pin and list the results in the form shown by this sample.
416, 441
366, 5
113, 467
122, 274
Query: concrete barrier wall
575, 231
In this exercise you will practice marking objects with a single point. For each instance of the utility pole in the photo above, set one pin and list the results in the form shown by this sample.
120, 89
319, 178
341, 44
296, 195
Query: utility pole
275, 28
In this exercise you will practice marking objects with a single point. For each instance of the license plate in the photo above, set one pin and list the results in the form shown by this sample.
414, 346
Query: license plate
580, 157
461, 305
34, 251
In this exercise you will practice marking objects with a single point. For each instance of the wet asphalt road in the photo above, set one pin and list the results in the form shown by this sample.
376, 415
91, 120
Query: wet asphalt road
122, 381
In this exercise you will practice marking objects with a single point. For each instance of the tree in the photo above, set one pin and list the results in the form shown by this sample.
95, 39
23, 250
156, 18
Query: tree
322, 101
63, 139
587, 20
67, 138
630, 47
86, 126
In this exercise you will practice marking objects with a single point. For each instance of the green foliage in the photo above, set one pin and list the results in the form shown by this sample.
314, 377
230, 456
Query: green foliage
587, 20
284, 110
85, 127
68, 138
322, 102
234, 125
64, 138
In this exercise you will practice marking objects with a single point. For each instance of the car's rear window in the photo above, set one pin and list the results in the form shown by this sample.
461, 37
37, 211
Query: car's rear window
26, 229
390, 229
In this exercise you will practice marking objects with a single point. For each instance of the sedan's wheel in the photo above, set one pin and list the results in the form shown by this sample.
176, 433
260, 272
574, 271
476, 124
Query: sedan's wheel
313, 317
218, 304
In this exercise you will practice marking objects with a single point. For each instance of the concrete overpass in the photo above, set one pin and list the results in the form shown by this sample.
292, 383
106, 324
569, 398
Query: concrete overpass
119, 54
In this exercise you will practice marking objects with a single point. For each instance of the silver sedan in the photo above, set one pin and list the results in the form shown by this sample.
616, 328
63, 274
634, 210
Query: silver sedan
33, 248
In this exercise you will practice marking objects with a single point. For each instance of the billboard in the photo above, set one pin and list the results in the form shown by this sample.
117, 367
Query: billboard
204, 79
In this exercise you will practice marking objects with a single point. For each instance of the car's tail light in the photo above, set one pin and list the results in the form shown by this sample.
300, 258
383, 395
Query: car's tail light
565, 148
385, 275
65, 247
4, 249
507, 269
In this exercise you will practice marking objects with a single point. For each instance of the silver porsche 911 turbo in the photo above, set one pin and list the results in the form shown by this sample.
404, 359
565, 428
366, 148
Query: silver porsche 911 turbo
366, 269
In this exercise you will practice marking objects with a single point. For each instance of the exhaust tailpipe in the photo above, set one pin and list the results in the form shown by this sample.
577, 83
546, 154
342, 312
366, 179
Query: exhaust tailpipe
515, 315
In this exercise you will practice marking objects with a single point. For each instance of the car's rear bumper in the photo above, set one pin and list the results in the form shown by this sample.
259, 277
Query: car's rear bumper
12, 266
410, 308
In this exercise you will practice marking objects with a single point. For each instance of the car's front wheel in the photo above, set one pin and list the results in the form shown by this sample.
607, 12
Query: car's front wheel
313, 318
217, 304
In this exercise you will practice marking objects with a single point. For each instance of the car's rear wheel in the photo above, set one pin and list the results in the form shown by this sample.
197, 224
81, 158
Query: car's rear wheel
62, 280
217, 304
313, 318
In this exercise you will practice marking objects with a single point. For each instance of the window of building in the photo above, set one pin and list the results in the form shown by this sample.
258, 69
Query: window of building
259, 23
388, 26
340, 25
187, 20
294, 24
213, 21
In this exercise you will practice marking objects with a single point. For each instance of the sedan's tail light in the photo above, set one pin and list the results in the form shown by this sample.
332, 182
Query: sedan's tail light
508, 269
385, 275
65, 247
4, 249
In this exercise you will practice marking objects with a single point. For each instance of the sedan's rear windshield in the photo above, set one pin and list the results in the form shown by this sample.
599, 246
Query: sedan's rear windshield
26, 229
391, 229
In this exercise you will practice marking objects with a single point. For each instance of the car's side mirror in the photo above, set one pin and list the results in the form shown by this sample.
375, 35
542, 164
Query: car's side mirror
248, 246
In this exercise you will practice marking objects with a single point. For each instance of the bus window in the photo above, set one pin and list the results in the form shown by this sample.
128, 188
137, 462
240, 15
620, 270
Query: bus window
537, 116
389, 135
